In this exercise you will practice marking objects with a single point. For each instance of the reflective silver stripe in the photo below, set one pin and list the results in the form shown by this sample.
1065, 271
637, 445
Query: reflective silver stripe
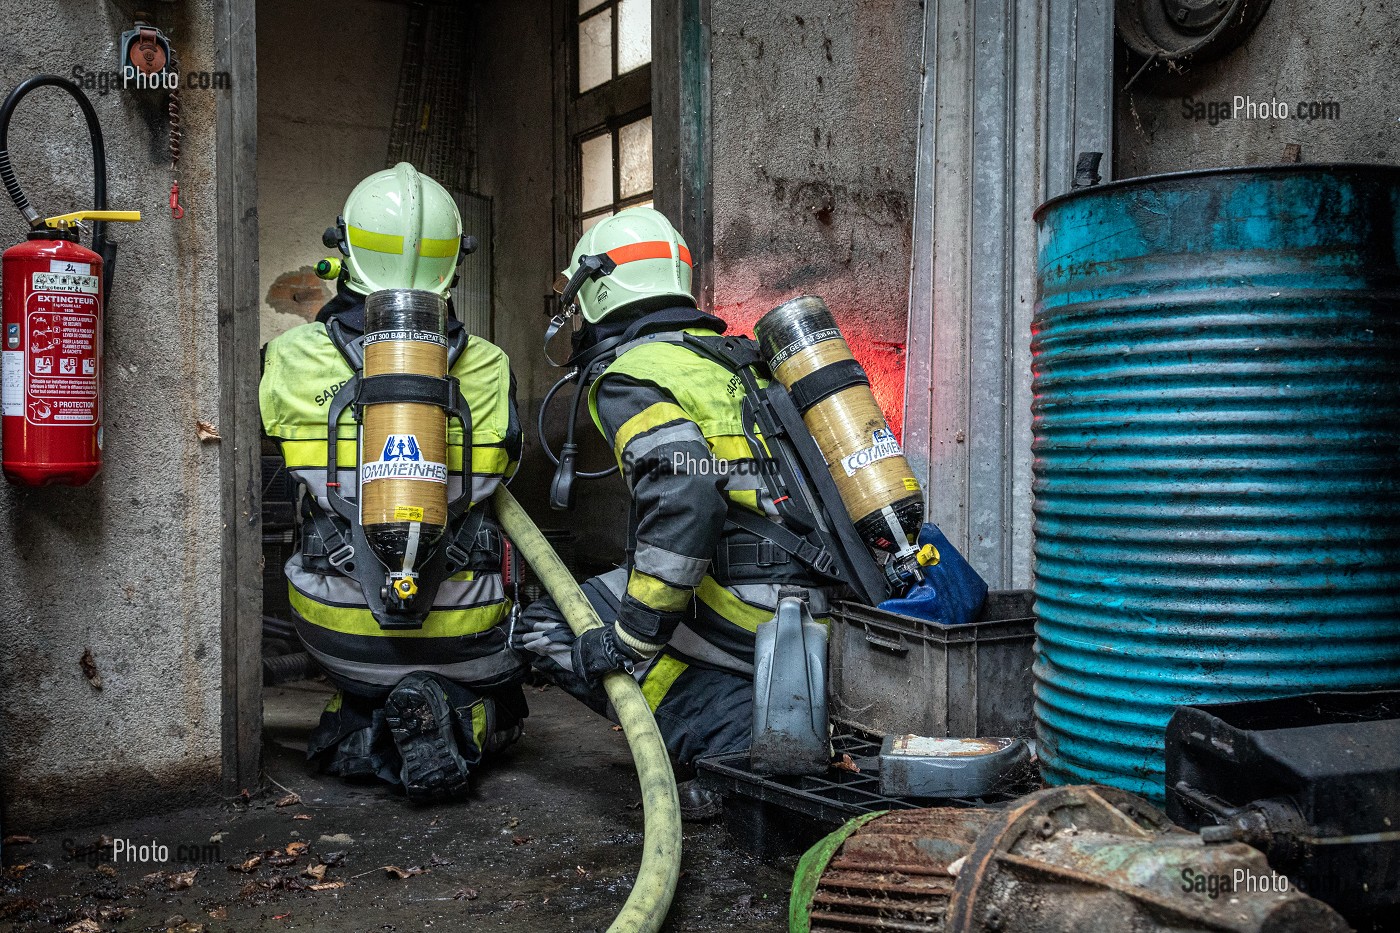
744, 481
688, 643
482, 487
616, 582
490, 668
337, 590
669, 566
644, 444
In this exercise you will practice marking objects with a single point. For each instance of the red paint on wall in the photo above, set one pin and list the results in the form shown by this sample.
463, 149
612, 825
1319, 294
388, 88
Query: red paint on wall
882, 358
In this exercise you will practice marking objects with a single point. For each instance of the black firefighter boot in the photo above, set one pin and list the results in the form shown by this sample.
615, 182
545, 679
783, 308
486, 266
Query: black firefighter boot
419, 717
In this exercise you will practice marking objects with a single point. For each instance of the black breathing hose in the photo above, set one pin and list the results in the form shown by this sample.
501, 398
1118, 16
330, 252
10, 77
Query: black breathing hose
100, 245
564, 461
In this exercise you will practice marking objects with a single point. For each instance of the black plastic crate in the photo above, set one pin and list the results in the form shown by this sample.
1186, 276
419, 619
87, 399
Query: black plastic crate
780, 817
895, 674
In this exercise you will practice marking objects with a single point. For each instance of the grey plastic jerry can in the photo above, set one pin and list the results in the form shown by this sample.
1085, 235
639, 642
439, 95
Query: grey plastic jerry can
790, 727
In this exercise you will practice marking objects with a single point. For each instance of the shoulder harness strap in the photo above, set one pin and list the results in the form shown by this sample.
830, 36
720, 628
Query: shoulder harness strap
341, 535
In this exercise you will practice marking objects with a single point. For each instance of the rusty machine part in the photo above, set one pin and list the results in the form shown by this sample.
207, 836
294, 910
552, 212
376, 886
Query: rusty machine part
1061, 860
890, 872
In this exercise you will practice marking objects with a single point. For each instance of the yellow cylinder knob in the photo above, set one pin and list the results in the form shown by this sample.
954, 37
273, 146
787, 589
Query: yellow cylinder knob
406, 587
928, 555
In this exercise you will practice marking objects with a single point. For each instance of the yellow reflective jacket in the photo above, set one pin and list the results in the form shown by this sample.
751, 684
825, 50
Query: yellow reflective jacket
461, 638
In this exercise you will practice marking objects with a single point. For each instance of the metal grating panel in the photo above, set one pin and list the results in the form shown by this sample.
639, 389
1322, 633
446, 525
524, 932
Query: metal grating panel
472, 295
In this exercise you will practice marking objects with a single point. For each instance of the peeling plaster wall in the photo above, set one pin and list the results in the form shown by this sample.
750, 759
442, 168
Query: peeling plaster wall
328, 75
1302, 50
815, 109
128, 566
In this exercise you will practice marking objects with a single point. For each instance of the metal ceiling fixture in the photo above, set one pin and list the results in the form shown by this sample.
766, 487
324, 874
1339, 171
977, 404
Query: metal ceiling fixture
1195, 29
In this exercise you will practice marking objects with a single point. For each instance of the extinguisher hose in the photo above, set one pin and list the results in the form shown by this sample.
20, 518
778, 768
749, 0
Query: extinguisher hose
99, 165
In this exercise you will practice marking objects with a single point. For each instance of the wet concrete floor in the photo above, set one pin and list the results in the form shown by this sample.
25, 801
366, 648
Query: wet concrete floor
549, 841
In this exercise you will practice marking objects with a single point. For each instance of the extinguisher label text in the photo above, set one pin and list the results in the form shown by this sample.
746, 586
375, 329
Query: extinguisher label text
74, 268
61, 347
12, 382
65, 282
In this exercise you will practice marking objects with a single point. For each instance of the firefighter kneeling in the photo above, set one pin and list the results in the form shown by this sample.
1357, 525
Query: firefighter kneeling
428, 684
681, 616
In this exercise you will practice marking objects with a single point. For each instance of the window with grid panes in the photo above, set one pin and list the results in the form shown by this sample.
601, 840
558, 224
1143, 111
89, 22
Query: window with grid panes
614, 158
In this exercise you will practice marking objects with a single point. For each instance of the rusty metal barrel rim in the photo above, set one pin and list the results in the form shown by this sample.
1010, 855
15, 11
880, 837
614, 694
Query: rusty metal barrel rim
1266, 168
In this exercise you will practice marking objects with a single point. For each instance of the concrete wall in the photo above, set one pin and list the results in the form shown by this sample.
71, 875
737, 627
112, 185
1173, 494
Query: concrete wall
328, 76
814, 117
127, 567
513, 84
1302, 50
814, 114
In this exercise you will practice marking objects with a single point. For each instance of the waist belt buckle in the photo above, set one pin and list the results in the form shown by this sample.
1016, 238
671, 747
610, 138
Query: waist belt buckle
340, 556
824, 563
456, 556
770, 554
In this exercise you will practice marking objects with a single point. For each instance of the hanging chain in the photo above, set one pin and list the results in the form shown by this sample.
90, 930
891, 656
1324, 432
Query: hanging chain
176, 209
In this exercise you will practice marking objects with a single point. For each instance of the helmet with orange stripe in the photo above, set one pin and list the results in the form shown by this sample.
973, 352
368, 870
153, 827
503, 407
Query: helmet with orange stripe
634, 258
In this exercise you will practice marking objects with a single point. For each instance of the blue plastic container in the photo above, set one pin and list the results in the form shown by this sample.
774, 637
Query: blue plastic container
1216, 455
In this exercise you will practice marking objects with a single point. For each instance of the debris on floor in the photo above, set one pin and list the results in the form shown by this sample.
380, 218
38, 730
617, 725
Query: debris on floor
543, 845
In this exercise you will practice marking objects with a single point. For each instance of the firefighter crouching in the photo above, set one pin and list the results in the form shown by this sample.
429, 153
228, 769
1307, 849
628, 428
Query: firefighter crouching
418, 707
681, 615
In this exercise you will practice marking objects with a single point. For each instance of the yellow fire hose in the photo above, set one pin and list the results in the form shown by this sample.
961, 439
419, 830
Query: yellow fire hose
651, 895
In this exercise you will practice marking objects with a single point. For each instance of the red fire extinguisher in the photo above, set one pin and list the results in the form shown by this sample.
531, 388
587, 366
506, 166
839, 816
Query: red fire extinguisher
53, 293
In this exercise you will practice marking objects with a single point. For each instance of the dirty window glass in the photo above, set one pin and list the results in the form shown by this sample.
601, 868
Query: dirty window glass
633, 34
615, 170
614, 37
590, 221
595, 50
597, 159
634, 158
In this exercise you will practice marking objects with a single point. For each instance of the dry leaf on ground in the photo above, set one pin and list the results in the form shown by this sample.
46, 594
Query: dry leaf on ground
247, 866
181, 880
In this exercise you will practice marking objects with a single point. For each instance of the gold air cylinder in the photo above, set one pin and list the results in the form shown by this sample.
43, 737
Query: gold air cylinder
403, 445
807, 354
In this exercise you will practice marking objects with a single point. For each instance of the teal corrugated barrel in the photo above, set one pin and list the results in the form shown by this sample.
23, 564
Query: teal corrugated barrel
1216, 455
